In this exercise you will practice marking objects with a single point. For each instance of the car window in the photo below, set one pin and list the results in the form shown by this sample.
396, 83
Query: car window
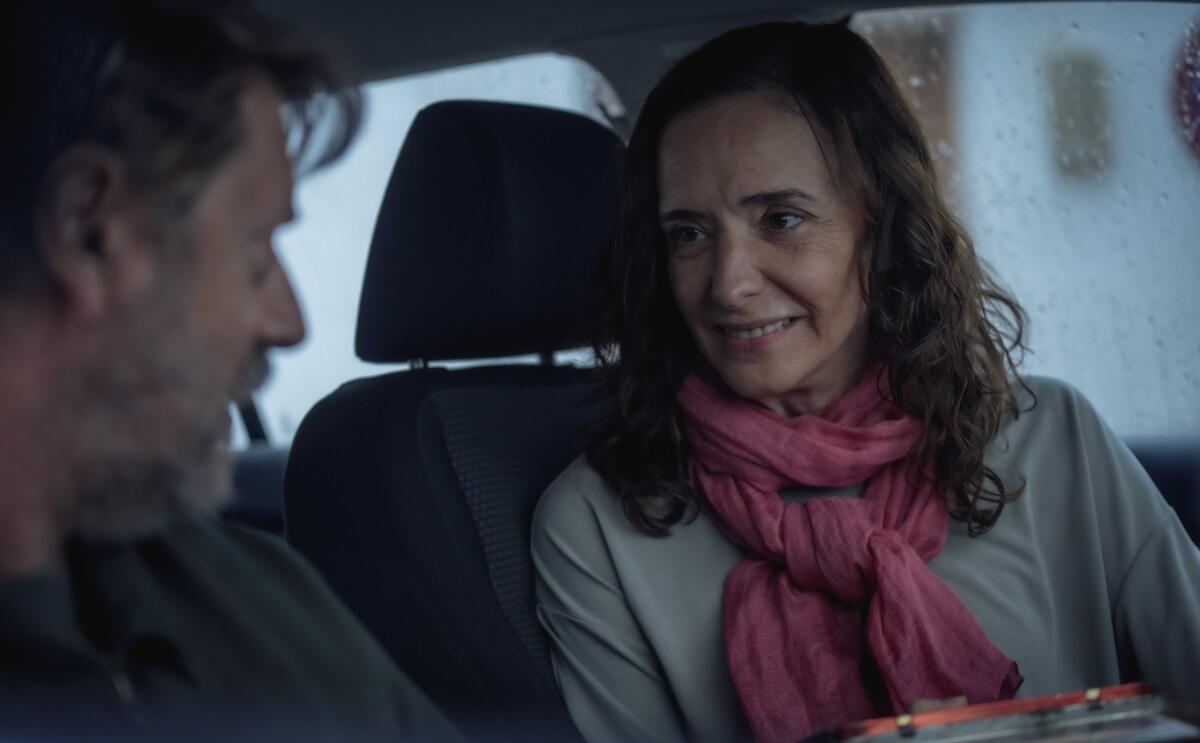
325, 249
1067, 136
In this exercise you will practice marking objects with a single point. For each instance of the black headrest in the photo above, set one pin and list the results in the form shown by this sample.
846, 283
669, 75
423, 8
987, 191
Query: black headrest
488, 233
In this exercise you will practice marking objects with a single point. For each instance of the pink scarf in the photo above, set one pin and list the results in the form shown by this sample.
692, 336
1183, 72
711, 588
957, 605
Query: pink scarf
794, 608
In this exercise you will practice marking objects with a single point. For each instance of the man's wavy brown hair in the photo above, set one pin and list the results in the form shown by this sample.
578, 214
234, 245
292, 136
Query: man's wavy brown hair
157, 84
951, 336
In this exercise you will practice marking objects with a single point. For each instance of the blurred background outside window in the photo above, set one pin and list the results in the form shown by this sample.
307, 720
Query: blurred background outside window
1066, 135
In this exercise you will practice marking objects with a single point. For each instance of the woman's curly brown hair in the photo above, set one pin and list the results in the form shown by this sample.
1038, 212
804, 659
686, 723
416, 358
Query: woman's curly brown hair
950, 334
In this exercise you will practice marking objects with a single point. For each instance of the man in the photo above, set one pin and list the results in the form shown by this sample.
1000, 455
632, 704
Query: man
145, 169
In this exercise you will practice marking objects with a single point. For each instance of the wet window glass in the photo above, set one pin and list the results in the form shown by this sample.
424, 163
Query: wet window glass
1066, 135
1068, 138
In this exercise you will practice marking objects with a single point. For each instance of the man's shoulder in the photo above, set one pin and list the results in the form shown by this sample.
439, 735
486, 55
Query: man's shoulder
262, 575
270, 551
254, 575
217, 543
261, 569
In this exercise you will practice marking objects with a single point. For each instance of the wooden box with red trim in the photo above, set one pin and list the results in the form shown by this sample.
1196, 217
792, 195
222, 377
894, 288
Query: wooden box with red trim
1119, 713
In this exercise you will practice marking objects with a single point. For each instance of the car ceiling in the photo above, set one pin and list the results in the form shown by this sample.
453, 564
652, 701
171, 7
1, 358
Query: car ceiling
630, 42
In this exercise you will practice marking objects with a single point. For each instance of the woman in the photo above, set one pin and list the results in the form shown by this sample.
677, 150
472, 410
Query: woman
822, 492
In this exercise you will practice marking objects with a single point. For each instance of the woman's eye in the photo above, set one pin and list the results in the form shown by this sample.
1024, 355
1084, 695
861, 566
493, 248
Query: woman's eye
685, 240
684, 234
783, 220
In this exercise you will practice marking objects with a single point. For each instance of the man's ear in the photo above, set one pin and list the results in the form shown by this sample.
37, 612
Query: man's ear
91, 235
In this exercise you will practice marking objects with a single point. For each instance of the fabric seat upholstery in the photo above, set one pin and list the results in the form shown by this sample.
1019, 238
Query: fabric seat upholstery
1174, 465
413, 492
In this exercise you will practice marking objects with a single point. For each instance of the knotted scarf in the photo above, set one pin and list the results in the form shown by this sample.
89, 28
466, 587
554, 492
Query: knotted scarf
794, 609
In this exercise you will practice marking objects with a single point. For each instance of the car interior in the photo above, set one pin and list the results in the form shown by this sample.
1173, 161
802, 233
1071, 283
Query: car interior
470, 449
413, 491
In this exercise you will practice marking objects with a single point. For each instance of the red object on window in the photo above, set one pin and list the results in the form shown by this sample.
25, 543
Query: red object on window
1187, 87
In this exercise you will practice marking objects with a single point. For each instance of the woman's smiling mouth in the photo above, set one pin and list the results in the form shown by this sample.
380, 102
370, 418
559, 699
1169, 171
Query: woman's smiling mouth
746, 333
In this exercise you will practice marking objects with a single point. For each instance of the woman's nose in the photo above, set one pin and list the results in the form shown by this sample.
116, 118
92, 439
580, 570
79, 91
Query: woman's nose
735, 275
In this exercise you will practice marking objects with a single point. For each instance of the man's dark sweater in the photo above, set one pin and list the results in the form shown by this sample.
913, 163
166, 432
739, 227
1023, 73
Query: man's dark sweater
203, 630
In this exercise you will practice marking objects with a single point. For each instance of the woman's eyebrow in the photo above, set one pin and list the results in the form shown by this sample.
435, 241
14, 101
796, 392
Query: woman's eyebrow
759, 199
768, 197
680, 214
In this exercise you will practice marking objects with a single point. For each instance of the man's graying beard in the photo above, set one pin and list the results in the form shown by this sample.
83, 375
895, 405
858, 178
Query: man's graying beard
251, 376
166, 456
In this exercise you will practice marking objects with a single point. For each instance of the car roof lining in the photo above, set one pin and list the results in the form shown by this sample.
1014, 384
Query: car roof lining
630, 42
